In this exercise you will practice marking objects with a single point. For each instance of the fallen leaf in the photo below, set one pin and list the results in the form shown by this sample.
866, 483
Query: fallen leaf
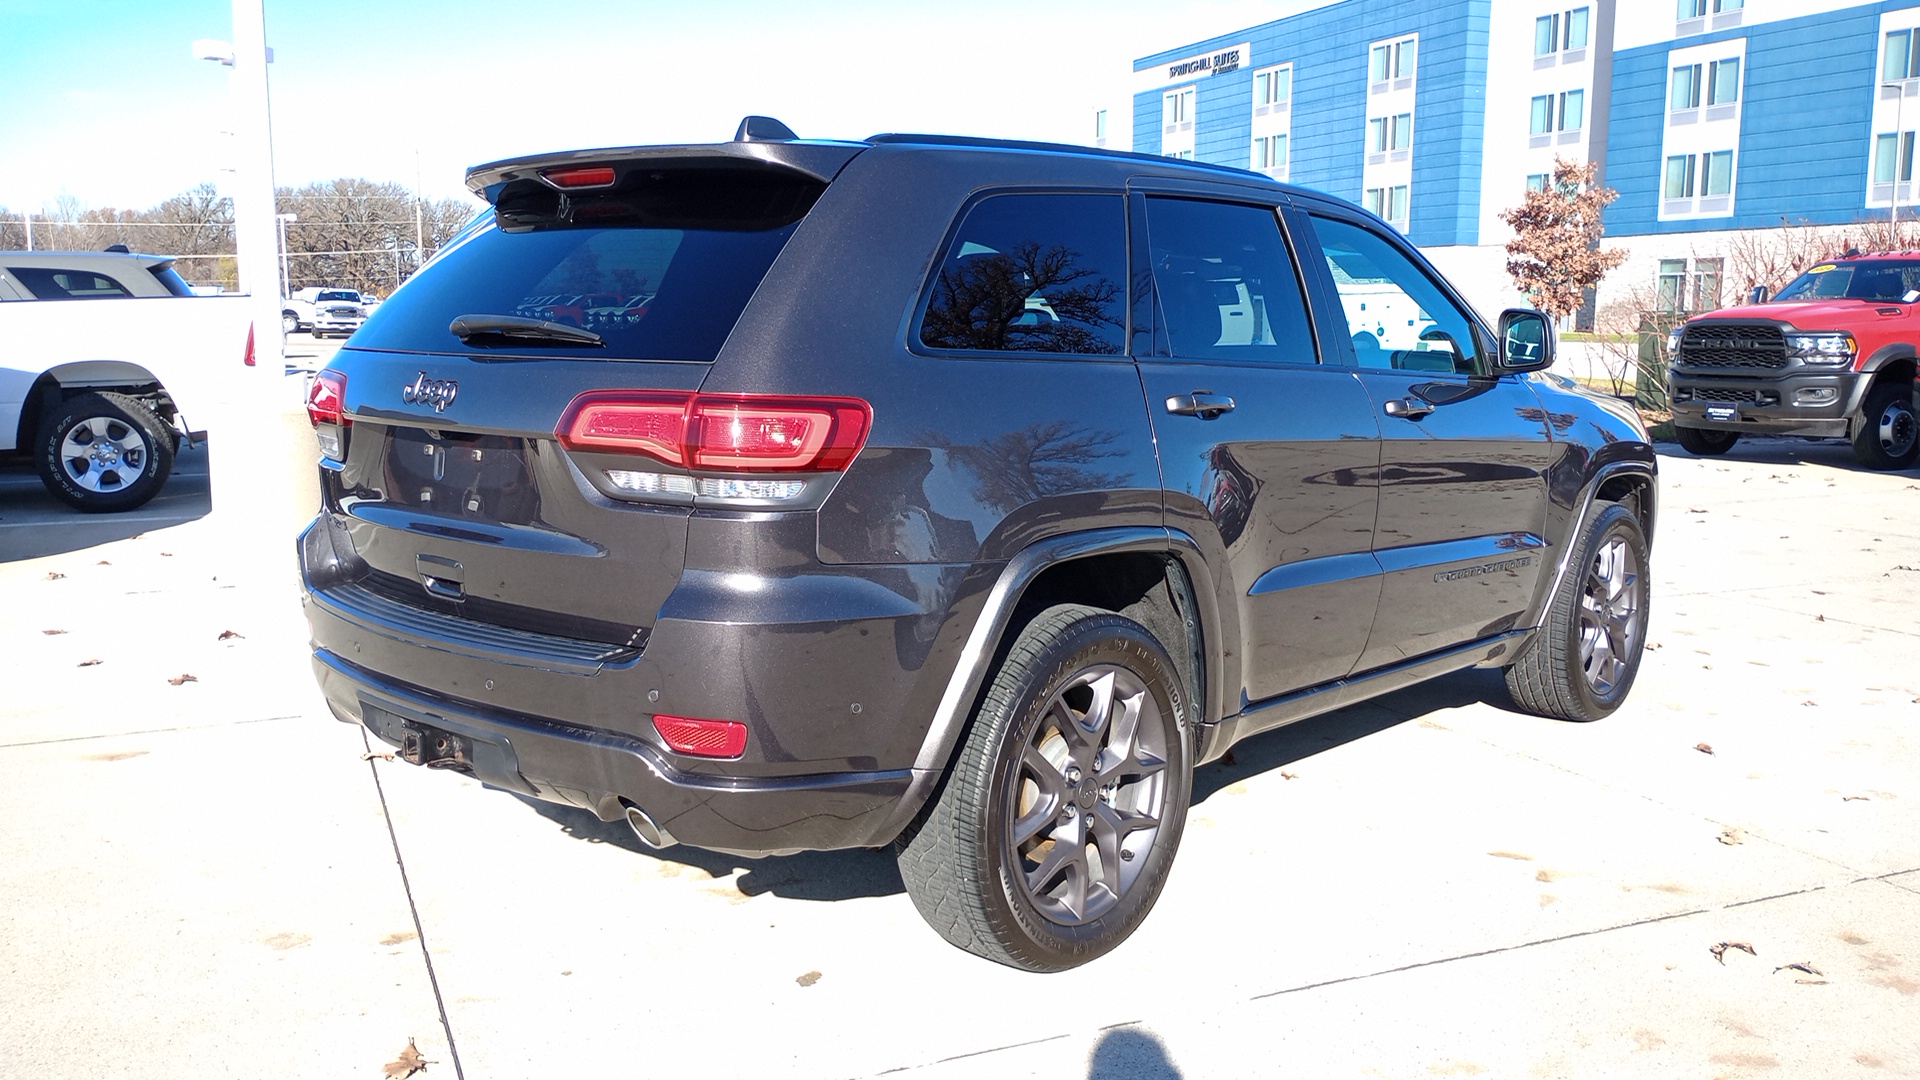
1284, 775
1801, 966
1731, 837
166, 554
1703, 748
1693, 510
103, 562
1809, 701
225, 634
1819, 592
1720, 951
1855, 798
182, 680
370, 755
87, 663
1819, 618
808, 979
51, 633
408, 1063
54, 575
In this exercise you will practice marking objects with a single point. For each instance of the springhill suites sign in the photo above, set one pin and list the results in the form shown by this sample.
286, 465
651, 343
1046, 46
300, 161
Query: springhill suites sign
1205, 65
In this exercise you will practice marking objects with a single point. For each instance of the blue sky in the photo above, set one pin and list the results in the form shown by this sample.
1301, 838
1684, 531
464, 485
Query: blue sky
105, 104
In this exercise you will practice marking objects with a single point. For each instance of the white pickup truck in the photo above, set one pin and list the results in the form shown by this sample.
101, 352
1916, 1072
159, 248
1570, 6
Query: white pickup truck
323, 311
98, 393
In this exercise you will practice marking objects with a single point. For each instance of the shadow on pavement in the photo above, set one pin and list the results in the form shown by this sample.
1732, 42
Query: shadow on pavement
1784, 450
1130, 1054
808, 875
34, 524
1283, 746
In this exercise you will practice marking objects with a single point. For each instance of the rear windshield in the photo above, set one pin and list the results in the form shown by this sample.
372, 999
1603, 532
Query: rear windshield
660, 268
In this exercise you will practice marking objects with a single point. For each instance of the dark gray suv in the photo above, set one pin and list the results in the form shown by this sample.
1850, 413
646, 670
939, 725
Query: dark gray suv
959, 495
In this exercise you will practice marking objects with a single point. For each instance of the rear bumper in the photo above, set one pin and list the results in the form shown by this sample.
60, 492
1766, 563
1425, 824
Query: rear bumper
606, 772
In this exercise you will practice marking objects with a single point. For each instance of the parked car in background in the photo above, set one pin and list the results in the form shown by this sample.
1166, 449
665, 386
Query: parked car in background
1832, 355
98, 396
953, 494
323, 310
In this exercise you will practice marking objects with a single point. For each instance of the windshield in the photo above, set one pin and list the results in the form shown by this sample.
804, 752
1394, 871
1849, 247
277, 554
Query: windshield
1854, 281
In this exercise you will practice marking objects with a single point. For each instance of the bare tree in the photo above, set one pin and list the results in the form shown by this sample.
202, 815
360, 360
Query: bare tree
1555, 254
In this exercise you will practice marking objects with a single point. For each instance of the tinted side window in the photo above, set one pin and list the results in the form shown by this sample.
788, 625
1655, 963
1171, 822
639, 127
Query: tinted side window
51, 284
1033, 273
1227, 286
1398, 317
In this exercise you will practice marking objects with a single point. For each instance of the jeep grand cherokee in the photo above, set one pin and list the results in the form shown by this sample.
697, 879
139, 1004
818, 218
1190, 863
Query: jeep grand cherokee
953, 494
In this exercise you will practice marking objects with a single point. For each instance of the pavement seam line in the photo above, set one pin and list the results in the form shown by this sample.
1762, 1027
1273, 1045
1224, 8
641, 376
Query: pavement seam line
149, 731
1557, 939
419, 930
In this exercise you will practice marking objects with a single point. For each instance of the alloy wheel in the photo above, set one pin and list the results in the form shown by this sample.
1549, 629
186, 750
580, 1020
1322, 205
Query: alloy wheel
1610, 615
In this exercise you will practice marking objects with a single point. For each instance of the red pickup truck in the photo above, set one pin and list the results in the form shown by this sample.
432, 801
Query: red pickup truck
1831, 355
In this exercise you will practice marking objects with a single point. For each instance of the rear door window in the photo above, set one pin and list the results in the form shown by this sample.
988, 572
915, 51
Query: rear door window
48, 283
1226, 284
1033, 273
660, 268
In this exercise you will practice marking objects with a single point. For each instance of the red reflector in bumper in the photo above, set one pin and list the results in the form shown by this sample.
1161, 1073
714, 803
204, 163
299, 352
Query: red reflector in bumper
702, 738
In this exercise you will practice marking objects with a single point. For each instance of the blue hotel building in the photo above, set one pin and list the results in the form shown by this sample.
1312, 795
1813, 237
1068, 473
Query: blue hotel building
1711, 118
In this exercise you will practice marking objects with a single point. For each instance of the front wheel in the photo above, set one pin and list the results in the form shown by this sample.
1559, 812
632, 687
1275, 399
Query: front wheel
104, 452
1705, 442
289, 322
1582, 662
1886, 437
1054, 832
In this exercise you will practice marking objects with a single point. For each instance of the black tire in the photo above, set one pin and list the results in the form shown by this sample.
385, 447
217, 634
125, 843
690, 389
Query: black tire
1888, 435
289, 322
1007, 897
1705, 442
104, 453
1583, 661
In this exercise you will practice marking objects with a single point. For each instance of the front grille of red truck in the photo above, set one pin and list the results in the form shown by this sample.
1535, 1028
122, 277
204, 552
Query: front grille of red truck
1733, 345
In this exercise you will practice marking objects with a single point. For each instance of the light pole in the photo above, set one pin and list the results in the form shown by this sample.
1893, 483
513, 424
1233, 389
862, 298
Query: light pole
286, 278
1899, 159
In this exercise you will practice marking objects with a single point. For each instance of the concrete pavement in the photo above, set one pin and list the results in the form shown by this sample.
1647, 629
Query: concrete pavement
207, 878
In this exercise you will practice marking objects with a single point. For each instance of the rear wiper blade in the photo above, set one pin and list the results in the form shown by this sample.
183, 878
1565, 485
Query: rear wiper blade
468, 327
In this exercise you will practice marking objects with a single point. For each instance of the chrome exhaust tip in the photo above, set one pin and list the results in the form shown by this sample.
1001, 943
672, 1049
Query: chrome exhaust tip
648, 830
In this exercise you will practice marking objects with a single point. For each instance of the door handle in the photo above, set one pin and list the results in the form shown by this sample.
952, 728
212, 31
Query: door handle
1204, 404
1409, 408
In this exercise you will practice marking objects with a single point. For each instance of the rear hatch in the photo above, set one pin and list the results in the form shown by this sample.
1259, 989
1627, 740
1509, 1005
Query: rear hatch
447, 483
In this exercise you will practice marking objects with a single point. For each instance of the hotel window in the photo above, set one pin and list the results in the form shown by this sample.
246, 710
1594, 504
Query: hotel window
1389, 203
1684, 89
1891, 152
1723, 82
1270, 152
1692, 9
1673, 283
1271, 88
1393, 60
1542, 121
1706, 284
1100, 125
1573, 110
1678, 290
1562, 30
1176, 109
1899, 60
1680, 177
1390, 133
1718, 167
1537, 182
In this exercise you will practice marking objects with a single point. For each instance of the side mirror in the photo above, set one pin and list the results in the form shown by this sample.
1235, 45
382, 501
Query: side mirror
1526, 341
1758, 295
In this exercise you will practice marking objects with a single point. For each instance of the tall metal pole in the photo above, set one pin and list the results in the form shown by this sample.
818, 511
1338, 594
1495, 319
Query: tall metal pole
254, 213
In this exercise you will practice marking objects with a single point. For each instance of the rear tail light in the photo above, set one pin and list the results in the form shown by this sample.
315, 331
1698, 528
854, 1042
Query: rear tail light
749, 433
702, 738
326, 408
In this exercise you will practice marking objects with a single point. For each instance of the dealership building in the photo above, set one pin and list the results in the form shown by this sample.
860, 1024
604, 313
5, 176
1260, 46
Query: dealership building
1711, 118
